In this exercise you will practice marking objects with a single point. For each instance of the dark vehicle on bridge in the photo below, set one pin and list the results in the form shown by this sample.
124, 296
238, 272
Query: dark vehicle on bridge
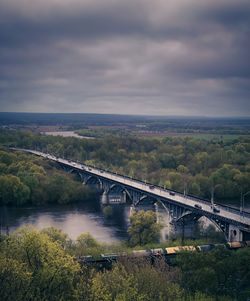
181, 201
216, 210
151, 187
197, 206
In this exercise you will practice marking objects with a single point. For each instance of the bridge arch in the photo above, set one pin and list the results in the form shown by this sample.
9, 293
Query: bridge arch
76, 173
119, 189
95, 181
146, 200
195, 216
228, 223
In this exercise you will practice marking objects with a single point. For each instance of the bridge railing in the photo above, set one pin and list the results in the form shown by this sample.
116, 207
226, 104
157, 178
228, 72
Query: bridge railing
188, 196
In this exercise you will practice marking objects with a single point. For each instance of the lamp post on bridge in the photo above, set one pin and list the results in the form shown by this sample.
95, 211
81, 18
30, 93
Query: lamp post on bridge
185, 192
212, 194
243, 202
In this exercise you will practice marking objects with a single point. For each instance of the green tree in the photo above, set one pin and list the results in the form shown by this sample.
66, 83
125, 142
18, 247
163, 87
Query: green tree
143, 228
57, 235
86, 244
15, 280
157, 281
13, 191
6, 157
86, 240
115, 285
108, 211
217, 273
52, 270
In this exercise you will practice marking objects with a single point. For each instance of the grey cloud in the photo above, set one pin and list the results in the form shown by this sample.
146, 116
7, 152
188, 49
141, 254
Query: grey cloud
159, 57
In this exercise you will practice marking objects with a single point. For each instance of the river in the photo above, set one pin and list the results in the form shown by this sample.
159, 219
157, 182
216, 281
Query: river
76, 219
67, 134
71, 219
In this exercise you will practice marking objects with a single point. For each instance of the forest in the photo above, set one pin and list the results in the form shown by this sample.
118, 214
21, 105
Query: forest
26, 179
42, 265
197, 166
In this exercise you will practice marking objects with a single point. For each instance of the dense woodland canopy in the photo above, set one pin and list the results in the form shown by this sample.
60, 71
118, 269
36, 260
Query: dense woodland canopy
194, 165
27, 179
42, 265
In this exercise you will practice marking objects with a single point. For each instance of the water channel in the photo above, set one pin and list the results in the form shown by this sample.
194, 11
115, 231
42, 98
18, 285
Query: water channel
71, 219
78, 218
67, 134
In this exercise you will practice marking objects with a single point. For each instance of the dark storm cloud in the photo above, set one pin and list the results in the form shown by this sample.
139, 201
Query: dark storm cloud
153, 57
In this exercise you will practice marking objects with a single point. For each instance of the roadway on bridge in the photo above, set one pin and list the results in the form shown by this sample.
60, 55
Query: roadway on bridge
161, 193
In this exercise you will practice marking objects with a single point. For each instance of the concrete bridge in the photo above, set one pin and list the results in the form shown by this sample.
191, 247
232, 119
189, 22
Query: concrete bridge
182, 209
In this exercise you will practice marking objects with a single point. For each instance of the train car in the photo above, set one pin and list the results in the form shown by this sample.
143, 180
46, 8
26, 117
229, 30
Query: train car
223, 246
157, 252
99, 264
141, 253
205, 248
85, 259
247, 243
106, 261
110, 257
176, 250
235, 245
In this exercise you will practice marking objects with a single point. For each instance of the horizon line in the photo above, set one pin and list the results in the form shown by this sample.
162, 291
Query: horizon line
126, 114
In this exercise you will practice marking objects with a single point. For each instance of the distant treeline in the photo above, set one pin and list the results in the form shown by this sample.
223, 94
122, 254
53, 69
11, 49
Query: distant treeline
26, 179
196, 166
136, 122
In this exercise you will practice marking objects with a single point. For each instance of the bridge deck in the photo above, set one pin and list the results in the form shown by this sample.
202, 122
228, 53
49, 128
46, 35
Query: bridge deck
225, 211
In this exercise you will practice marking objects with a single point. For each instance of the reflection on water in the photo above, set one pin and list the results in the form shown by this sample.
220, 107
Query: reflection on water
67, 134
79, 218
72, 219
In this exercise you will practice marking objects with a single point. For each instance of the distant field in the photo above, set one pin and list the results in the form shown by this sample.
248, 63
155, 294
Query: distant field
217, 137
205, 136
148, 127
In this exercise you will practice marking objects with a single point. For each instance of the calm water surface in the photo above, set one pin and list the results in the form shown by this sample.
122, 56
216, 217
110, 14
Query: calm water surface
67, 134
71, 219
74, 219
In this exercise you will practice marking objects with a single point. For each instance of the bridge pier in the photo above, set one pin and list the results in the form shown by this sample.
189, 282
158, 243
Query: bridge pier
104, 198
117, 198
164, 218
235, 234
174, 222
231, 221
116, 194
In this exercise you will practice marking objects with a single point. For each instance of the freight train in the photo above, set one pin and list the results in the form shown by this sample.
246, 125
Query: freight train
105, 261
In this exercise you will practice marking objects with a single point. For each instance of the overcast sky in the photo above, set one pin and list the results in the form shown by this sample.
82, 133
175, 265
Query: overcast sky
163, 57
